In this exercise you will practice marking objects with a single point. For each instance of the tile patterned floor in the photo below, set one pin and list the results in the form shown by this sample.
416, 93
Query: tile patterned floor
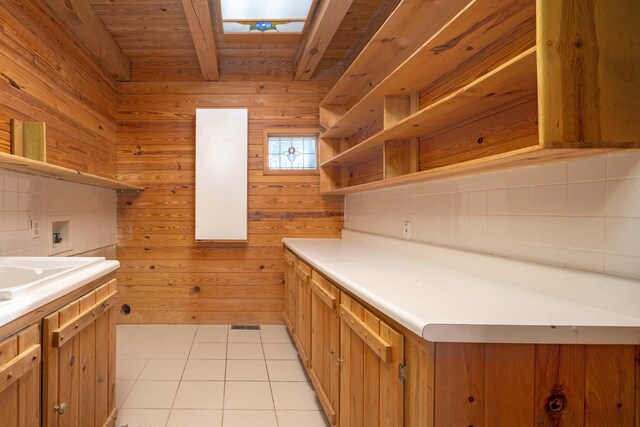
211, 376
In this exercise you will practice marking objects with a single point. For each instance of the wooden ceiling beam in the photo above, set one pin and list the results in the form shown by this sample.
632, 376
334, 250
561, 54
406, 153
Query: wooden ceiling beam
201, 26
89, 30
325, 23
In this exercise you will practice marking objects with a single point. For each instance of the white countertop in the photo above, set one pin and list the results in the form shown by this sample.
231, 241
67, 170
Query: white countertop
450, 295
15, 308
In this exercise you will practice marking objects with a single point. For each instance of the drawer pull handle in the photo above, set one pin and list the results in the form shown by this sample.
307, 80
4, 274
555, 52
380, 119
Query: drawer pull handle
324, 295
303, 274
19, 366
67, 331
332, 351
378, 344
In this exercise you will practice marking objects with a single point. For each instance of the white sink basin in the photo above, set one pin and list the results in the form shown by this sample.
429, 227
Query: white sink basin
19, 275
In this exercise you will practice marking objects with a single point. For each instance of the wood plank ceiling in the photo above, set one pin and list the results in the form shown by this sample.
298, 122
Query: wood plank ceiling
157, 38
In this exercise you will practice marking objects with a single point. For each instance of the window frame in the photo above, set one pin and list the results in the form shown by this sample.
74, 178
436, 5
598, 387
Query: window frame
288, 131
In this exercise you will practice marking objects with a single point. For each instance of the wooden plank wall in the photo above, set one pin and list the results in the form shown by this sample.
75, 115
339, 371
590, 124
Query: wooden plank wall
165, 276
45, 76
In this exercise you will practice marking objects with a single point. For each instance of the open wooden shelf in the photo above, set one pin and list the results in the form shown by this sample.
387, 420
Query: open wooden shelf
410, 25
34, 167
495, 87
511, 84
516, 158
440, 65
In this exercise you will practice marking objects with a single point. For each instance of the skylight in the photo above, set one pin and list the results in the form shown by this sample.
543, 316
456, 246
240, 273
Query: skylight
264, 16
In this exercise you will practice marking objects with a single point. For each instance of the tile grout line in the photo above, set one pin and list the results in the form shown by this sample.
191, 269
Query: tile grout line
224, 377
266, 366
181, 376
181, 379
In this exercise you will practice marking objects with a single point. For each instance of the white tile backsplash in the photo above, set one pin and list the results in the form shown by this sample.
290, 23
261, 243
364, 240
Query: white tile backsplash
623, 197
588, 169
624, 167
623, 236
24, 198
582, 214
587, 198
551, 199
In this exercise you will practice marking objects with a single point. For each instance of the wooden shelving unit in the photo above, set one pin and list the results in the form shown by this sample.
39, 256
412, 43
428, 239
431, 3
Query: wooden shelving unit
494, 86
34, 167
410, 26
511, 84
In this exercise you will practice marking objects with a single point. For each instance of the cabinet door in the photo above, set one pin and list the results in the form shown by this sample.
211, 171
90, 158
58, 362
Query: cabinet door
20, 379
289, 289
303, 311
79, 361
371, 353
325, 342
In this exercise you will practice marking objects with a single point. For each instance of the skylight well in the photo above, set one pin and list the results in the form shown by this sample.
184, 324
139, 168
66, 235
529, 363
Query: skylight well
264, 16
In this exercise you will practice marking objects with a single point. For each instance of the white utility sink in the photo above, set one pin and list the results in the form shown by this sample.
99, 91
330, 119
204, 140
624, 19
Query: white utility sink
19, 275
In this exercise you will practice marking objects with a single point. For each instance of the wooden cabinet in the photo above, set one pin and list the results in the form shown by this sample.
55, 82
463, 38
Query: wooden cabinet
303, 311
20, 379
79, 361
506, 385
289, 289
325, 344
298, 304
371, 359
370, 371
493, 84
356, 358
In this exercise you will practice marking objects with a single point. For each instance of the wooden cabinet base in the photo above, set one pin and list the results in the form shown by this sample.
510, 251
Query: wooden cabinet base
370, 371
536, 385
20, 379
325, 342
371, 390
79, 370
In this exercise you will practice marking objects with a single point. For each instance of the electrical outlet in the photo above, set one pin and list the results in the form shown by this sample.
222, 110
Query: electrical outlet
35, 229
407, 230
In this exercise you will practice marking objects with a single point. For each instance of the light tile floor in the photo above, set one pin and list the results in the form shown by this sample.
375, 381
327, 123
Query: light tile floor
211, 376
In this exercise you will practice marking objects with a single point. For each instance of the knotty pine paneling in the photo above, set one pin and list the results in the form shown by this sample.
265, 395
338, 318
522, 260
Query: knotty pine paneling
165, 275
45, 76
505, 385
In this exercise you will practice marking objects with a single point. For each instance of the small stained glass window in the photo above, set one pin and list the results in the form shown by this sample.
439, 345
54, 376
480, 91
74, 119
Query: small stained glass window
292, 152
271, 16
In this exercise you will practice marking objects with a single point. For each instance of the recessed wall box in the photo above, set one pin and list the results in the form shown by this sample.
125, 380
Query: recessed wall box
59, 235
